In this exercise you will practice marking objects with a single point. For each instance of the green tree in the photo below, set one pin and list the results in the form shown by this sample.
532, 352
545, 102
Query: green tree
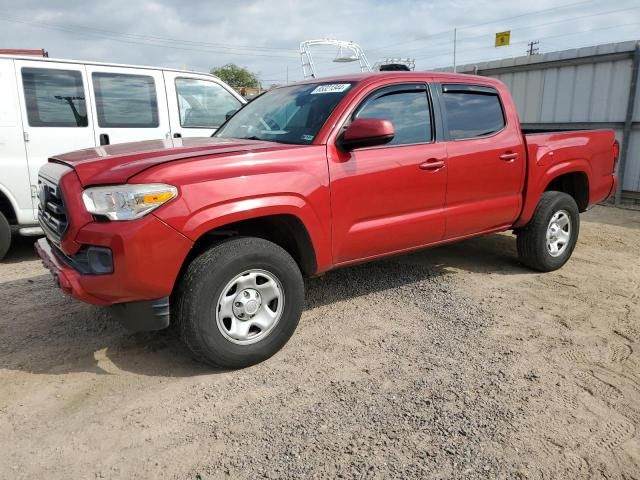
236, 76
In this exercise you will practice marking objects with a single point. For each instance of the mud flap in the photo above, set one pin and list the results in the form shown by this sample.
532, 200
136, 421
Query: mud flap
142, 316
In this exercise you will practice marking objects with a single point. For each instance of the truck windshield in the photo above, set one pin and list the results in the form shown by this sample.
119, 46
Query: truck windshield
292, 114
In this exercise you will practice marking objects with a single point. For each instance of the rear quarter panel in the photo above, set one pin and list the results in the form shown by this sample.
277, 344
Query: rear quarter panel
553, 154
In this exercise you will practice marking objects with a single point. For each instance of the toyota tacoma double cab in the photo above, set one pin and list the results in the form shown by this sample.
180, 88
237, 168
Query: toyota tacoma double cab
216, 234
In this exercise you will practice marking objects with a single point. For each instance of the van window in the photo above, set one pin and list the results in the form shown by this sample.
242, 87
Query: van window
54, 98
472, 114
125, 101
408, 111
203, 104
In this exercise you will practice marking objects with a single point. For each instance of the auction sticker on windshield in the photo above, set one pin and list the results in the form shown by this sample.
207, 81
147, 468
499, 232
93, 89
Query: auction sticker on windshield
331, 88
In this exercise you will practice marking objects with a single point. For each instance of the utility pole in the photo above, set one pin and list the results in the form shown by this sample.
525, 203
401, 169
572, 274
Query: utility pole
455, 32
533, 50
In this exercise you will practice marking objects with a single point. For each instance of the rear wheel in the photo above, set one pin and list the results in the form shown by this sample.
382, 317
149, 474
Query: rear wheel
5, 236
239, 302
547, 242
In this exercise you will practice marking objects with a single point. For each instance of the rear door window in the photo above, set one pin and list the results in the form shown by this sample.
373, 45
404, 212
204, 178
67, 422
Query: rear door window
125, 101
471, 111
407, 110
54, 98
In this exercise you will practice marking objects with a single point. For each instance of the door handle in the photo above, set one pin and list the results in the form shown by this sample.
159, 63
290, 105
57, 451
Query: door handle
104, 139
432, 164
177, 135
509, 156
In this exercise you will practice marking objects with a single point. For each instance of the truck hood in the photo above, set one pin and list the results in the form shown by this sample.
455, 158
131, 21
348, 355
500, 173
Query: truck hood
113, 164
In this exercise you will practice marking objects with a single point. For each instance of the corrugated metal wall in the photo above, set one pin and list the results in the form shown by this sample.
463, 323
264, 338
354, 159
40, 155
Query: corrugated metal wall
583, 88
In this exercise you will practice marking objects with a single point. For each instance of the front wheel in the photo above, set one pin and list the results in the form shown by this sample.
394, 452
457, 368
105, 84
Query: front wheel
547, 242
239, 302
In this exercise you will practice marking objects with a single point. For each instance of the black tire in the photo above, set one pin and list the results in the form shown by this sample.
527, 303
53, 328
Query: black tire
201, 288
5, 236
532, 239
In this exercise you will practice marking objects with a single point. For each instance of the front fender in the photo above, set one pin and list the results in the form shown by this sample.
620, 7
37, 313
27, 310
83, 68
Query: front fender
218, 215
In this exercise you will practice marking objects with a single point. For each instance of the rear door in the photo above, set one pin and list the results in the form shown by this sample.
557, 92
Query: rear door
56, 116
130, 104
198, 104
391, 197
486, 159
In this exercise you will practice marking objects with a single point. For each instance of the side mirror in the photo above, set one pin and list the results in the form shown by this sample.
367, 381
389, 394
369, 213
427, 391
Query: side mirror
366, 132
230, 113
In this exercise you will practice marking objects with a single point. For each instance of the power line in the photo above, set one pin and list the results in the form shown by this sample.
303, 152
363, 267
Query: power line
544, 38
163, 42
162, 45
448, 53
444, 32
545, 24
441, 67
132, 36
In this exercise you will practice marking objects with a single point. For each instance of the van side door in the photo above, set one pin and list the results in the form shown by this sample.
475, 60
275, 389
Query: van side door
130, 104
486, 159
198, 104
14, 177
55, 112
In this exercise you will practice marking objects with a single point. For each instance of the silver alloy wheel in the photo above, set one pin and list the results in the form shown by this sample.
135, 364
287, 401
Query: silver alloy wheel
250, 306
558, 233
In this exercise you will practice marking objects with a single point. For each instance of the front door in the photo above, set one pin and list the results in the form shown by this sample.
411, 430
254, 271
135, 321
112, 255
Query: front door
130, 104
56, 115
390, 198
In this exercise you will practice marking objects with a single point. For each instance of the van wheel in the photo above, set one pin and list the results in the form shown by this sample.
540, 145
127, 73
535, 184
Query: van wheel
547, 242
239, 302
5, 236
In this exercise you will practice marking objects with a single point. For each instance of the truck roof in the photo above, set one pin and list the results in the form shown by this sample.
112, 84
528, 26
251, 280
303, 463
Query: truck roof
426, 76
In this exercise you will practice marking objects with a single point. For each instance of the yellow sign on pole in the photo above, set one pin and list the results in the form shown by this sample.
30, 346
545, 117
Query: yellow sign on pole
502, 38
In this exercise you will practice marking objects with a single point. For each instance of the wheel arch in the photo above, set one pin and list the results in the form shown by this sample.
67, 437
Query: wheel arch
286, 230
572, 177
8, 206
575, 184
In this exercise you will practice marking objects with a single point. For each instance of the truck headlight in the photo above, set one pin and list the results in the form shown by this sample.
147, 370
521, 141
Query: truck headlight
127, 202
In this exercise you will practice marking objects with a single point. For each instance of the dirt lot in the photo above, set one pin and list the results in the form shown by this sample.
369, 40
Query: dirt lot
452, 362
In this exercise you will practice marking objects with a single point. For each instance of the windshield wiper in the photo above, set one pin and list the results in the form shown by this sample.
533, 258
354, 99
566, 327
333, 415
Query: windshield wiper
274, 140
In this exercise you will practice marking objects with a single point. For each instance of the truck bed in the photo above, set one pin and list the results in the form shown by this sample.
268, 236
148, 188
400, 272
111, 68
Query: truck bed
552, 153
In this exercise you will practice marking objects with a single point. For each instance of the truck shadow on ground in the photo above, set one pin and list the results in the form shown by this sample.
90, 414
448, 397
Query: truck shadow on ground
47, 333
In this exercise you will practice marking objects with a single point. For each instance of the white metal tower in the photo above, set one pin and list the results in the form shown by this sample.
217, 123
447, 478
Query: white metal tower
347, 52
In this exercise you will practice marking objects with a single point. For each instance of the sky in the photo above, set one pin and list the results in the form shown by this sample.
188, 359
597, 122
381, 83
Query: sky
264, 36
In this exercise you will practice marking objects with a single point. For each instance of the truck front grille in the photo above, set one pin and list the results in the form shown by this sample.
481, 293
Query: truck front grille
52, 214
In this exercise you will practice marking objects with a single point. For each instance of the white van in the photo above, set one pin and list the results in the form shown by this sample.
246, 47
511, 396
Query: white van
50, 106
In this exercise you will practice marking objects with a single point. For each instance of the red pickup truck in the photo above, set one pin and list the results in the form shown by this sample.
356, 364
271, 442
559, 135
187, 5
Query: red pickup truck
218, 233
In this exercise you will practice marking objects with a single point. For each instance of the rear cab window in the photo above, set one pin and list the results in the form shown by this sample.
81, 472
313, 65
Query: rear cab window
472, 111
54, 98
125, 101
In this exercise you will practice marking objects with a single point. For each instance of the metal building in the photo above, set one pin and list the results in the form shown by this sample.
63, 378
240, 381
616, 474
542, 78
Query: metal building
591, 87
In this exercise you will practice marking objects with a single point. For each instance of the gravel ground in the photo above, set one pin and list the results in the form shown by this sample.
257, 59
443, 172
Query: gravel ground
454, 362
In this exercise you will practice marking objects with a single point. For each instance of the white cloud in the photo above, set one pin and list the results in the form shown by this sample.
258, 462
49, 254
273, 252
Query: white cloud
266, 34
